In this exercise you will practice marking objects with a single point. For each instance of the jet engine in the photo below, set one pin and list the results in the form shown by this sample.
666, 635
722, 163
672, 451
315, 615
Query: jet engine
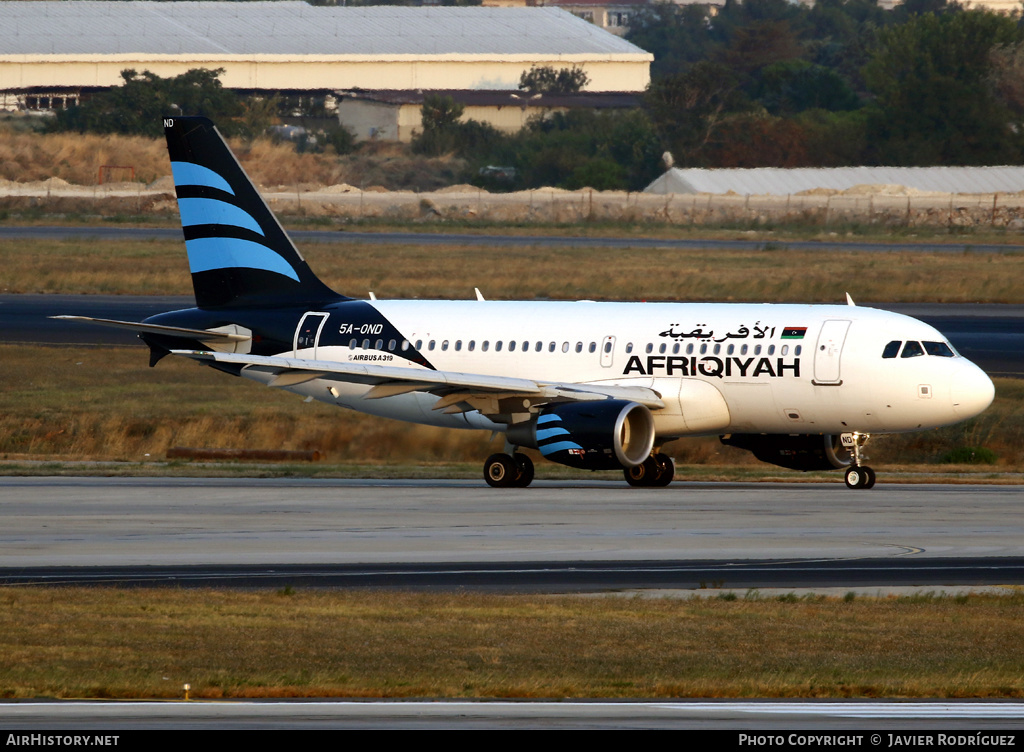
795, 451
595, 435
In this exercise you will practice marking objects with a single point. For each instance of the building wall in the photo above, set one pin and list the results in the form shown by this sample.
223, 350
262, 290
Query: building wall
401, 122
610, 73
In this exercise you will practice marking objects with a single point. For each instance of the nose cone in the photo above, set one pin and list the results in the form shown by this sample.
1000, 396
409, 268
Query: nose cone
971, 391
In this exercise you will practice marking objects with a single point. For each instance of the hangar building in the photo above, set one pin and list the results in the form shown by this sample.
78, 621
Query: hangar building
52, 52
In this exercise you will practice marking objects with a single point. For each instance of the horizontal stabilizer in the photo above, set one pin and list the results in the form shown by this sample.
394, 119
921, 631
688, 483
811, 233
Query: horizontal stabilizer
172, 331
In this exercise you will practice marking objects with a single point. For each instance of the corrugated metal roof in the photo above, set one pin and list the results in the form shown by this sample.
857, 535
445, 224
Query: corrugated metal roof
782, 182
294, 28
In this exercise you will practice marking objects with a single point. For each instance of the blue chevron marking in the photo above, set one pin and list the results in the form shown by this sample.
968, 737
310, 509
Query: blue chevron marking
547, 433
187, 173
210, 211
548, 418
206, 254
561, 446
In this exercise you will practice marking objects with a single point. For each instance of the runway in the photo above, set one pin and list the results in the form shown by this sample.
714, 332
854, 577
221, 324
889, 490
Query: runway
552, 537
512, 241
850, 723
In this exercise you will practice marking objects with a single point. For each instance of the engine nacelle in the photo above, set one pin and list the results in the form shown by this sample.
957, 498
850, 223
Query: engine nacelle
795, 451
596, 435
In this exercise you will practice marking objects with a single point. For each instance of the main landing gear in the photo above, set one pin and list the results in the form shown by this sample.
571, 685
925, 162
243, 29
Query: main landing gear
508, 471
858, 475
656, 471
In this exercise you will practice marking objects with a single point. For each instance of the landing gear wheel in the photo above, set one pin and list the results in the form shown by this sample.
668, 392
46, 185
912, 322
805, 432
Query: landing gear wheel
500, 471
525, 467
642, 475
860, 476
652, 472
667, 468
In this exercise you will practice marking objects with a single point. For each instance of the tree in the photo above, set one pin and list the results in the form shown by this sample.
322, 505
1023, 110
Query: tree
687, 108
546, 80
934, 99
138, 106
440, 115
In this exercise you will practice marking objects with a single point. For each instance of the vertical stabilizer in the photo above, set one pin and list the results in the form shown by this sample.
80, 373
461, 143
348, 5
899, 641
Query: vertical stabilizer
238, 253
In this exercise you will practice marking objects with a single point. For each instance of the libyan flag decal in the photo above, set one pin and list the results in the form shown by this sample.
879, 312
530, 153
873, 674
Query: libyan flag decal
794, 332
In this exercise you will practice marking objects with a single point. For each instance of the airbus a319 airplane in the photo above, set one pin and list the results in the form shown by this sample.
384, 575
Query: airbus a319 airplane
590, 385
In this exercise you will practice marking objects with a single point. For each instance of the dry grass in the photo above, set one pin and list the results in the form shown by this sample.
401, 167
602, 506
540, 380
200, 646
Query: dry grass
76, 158
538, 272
132, 643
107, 404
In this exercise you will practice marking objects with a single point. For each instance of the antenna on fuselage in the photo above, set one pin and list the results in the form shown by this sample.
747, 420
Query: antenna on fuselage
849, 300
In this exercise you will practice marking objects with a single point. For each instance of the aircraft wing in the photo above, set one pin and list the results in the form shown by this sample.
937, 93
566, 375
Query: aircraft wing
458, 392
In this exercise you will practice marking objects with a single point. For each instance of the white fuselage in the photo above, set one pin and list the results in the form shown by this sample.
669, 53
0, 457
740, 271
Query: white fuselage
718, 368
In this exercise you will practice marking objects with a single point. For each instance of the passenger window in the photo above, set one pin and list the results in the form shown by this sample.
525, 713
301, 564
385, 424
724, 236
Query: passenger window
798, 349
661, 348
629, 347
458, 345
939, 348
771, 349
352, 344
593, 347
785, 350
391, 345
757, 349
718, 349
892, 349
431, 345
512, 346
405, 345
579, 347
444, 345
607, 347
539, 347
650, 348
703, 348
912, 350
675, 349
730, 349
366, 344
485, 345
689, 349
472, 345
743, 349
380, 345
551, 346
497, 346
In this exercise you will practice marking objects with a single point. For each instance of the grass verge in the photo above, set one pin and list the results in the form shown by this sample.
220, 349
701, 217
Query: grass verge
538, 272
106, 643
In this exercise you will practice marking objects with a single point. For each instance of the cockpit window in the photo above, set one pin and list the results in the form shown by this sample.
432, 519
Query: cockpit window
939, 348
912, 350
892, 349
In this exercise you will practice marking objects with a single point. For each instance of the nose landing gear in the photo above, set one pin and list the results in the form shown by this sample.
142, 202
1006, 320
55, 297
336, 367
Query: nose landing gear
858, 475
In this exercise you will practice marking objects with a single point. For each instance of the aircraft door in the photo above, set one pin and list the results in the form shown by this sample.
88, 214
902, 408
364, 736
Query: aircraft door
607, 351
307, 334
828, 352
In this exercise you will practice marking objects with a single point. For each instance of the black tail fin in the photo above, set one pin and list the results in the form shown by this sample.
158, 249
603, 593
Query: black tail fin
238, 253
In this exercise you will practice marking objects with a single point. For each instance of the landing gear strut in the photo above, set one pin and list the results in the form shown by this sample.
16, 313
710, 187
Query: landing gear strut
654, 472
858, 475
508, 471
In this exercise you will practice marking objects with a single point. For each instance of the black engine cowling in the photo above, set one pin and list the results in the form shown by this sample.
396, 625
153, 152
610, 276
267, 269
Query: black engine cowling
597, 435
795, 451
